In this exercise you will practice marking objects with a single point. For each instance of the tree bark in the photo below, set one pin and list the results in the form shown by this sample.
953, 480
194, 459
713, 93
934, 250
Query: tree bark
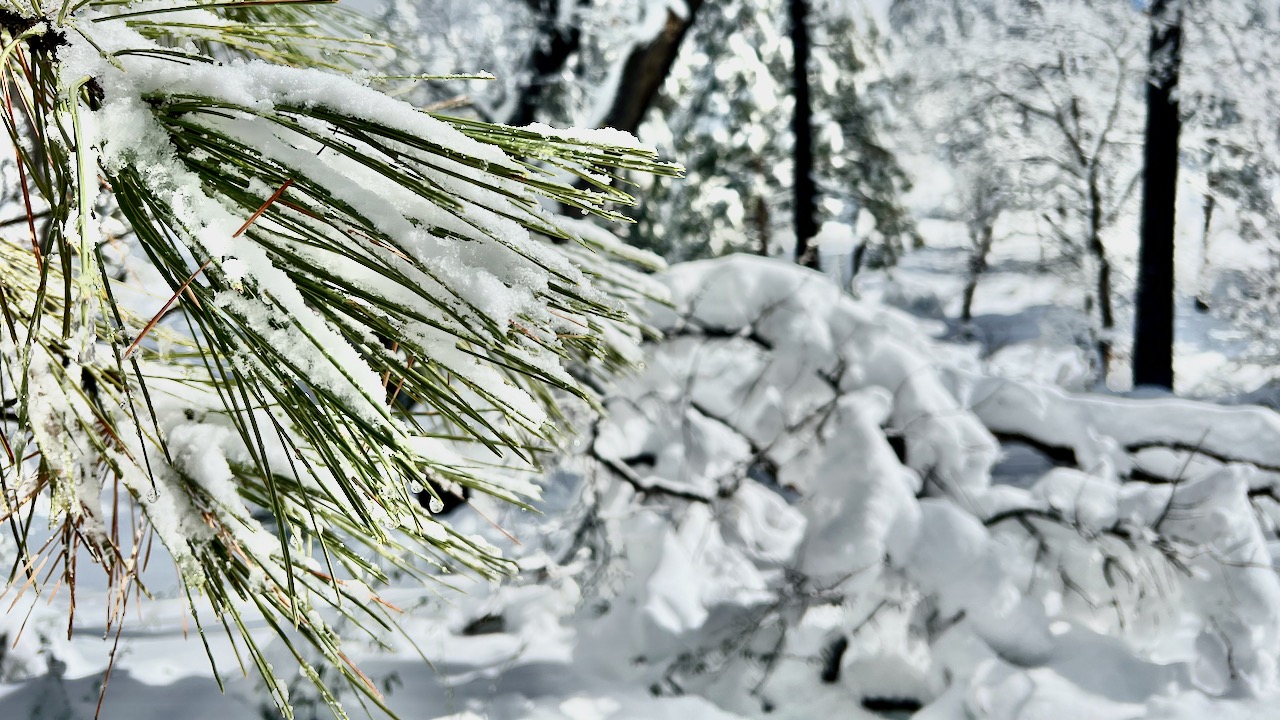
1154, 318
1105, 311
762, 218
805, 191
645, 69
1106, 307
762, 227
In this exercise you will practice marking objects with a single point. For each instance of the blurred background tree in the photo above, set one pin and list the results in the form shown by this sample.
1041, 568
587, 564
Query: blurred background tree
710, 82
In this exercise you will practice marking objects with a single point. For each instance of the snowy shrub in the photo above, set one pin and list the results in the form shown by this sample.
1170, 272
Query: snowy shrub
806, 508
254, 305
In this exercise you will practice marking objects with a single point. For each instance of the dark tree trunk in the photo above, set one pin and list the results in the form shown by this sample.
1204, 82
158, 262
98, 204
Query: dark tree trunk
982, 241
1106, 313
1106, 308
1153, 321
556, 44
806, 194
762, 219
762, 226
645, 69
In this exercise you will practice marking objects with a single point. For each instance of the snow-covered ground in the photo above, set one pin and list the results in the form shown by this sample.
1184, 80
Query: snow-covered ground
1029, 318
804, 506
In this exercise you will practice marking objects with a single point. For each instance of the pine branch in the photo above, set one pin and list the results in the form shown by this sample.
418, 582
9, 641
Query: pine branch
363, 305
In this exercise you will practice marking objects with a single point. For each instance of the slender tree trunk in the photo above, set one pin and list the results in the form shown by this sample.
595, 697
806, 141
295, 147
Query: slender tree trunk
977, 266
1106, 313
762, 226
645, 69
806, 194
1106, 308
855, 262
1153, 321
761, 212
